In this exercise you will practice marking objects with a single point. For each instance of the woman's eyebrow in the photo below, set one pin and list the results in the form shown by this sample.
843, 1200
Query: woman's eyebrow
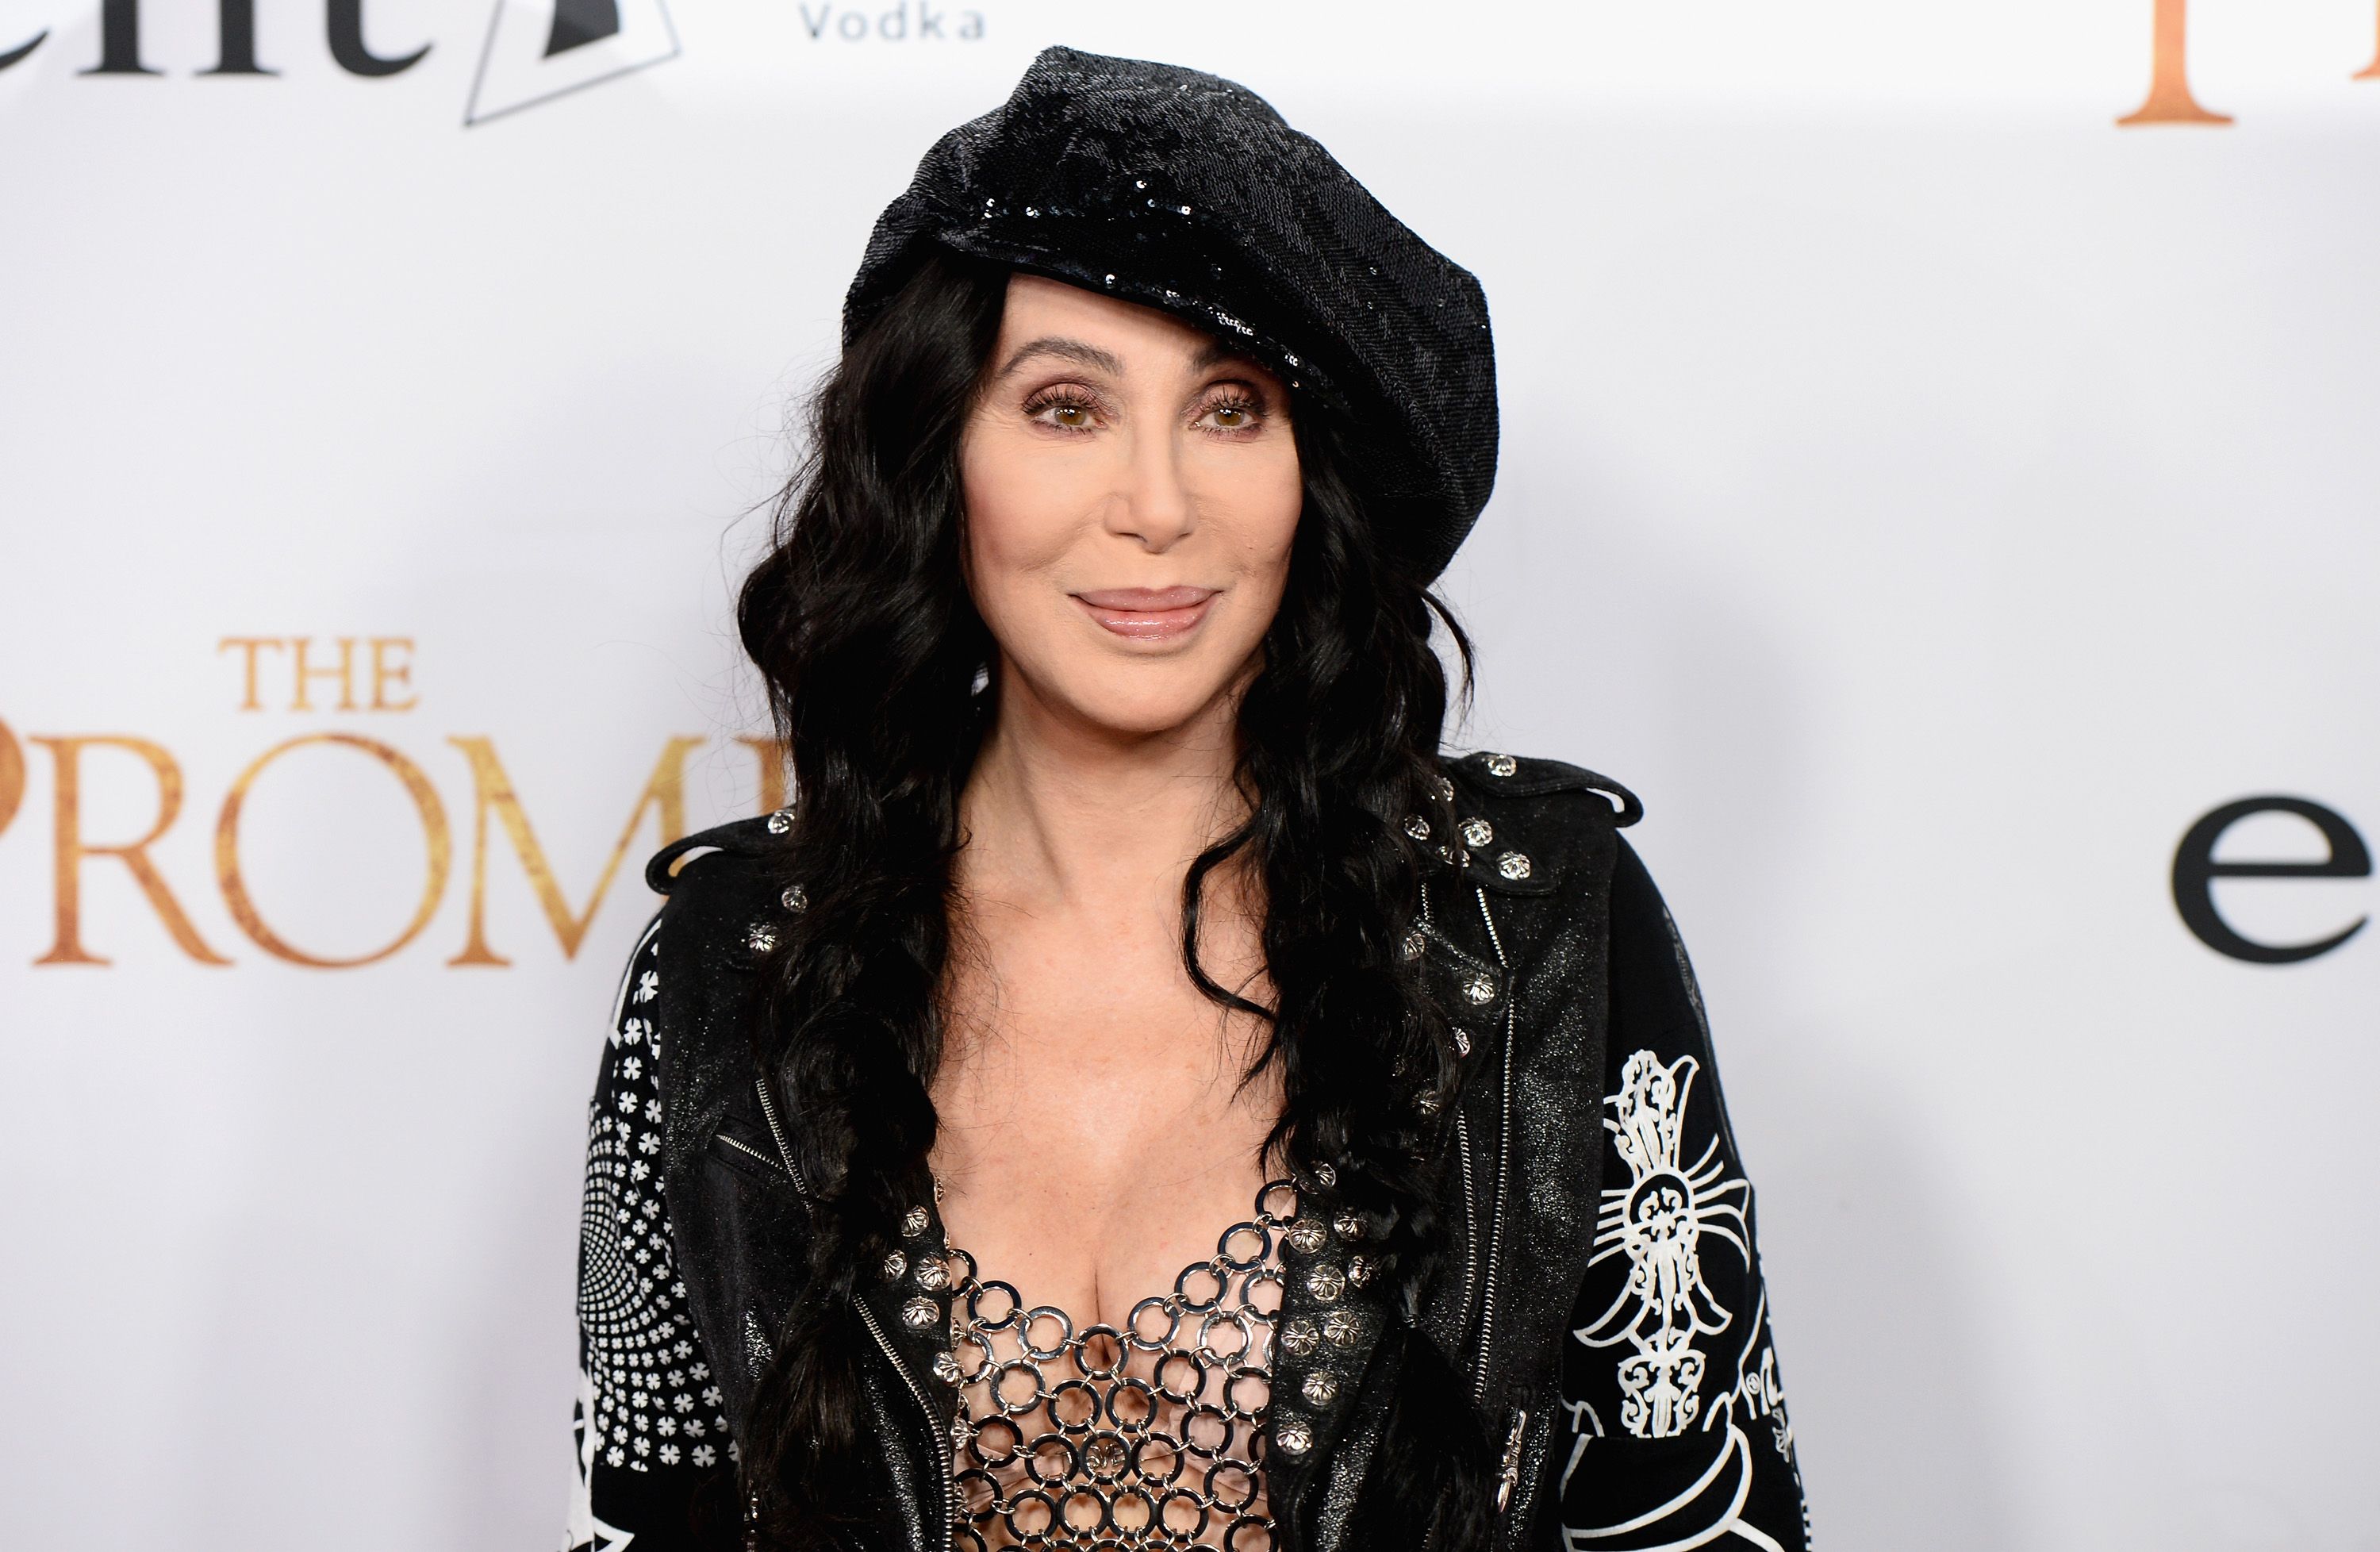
1072, 349
1216, 352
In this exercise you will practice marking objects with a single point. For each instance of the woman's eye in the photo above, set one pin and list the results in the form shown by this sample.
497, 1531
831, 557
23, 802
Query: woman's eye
1233, 415
1067, 413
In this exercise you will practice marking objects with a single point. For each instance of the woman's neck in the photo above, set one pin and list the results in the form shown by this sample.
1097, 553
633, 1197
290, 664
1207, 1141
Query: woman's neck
1059, 812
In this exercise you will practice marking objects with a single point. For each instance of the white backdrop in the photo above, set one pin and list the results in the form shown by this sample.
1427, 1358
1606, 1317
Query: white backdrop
1931, 496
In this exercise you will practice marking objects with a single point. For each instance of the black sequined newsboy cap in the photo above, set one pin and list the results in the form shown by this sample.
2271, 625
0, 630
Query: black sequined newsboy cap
1183, 191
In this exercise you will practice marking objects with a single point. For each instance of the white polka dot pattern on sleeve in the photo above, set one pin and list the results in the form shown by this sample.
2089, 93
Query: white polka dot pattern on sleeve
655, 1399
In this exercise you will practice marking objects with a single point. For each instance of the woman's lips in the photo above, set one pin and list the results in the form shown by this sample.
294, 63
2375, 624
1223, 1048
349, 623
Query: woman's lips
1148, 614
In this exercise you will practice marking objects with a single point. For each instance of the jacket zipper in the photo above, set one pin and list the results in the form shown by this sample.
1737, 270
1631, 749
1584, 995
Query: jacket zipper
1503, 1165
942, 1443
1470, 1216
1509, 1476
785, 1156
777, 1131
1470, 1192
740, 1145
867, 1317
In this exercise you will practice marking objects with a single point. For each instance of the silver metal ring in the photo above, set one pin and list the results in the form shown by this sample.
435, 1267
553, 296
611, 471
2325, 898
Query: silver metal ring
1039, 1466
1231, 1484
1035, 1316
1148, 1343
1238, 1320
1247, 1260
1182, 1498
1035, 1534
1090, 1367
1142, 1415
976, 1319
1071, 1530
1161, 1446
1190, 1302
1066, 1391
980, 1345
1000, 1393
1171, 1361
995, 1457
1207, 1414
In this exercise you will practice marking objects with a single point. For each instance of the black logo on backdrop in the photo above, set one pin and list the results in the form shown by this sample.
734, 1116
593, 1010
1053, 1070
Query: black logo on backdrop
2196, 870
119, 42
585, 43
532, 54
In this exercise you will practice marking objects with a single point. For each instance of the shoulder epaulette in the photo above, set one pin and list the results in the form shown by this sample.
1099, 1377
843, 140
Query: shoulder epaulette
743, 837
1495, 775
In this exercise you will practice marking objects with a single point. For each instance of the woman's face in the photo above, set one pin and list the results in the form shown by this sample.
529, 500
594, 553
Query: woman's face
1131, 490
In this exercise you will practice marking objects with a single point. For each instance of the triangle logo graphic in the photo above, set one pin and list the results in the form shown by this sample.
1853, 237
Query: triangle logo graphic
538, 50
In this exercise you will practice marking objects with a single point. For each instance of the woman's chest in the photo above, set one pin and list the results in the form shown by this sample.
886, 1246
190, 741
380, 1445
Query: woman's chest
1089, 1185
1115, 1253
1094, 1133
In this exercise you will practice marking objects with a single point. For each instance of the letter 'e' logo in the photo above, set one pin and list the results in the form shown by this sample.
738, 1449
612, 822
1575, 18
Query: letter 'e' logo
2196, 870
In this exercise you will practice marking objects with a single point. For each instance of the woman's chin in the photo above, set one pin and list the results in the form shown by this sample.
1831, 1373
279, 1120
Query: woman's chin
1142, 706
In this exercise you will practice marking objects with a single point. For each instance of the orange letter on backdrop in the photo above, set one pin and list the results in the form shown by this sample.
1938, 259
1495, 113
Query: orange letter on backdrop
665, 791
2170, 101
12, 776
433, 832
2371, 71
385, 673
251, 646
71, 849
345, 674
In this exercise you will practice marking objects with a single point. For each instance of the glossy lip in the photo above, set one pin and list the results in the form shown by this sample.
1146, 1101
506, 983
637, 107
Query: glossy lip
1148, 614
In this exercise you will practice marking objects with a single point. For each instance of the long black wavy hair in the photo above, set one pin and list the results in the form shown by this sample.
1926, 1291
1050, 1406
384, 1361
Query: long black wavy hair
884, 681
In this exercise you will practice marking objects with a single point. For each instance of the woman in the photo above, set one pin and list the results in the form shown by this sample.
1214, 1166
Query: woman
1141, 1093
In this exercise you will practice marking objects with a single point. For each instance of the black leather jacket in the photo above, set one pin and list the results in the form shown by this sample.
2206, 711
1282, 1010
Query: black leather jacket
1606, 1301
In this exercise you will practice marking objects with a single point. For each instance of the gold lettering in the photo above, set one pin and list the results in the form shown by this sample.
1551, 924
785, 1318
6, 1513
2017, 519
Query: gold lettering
2170, 101
345, 674
772, 754
384, 674
70, 849
434, 835
249, 646
12, 776
664, 792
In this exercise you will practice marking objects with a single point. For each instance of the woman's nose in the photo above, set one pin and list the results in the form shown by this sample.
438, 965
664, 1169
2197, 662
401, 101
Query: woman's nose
1156, 506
